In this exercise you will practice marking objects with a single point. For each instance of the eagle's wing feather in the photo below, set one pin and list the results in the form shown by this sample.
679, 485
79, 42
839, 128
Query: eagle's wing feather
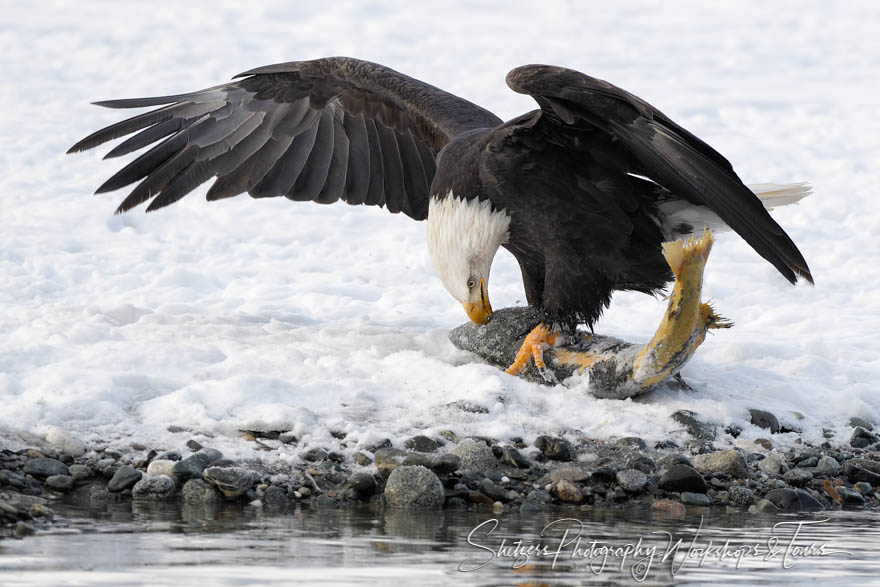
573, 103
322, 130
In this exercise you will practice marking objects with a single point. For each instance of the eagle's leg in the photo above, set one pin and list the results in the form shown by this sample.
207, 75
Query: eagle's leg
533, 347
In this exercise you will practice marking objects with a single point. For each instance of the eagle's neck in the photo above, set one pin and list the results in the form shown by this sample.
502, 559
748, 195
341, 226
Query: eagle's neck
463, 237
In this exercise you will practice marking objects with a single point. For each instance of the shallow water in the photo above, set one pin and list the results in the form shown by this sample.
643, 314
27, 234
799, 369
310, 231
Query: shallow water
160, 544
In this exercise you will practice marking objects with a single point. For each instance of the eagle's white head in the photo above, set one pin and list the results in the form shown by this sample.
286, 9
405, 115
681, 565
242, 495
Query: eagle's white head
463, 237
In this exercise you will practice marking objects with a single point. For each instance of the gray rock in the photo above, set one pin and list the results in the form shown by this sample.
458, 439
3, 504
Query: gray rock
828, 466
511, 456
414, 488
199, 492
287, 438
170, 455
161, 487
362, 459
700, 499
315, 455
213, 454
632, 442
798, 477
123, 478
632, 480
362, 484
192, 467
60, 482
80, 472
773, 464
642, 463
857, 422
555, 449
568, 492
388, 459
861, 438
695, 427
863, 488
193, 445
421, 443
44, 467
475, 456
793, 499
682, 478
867, 464
856, 471
231, 481
574, 473
741, 495
764, 506
275, 496
764, 420
729, 462
850, 496
160, 467
492, 489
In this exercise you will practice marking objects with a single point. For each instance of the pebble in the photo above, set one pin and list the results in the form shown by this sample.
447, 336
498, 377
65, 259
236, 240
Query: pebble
699, 499
231, 481
421, 443
793, 499
275, 496
160, 487
124, 478
632, 480
80, 472
415, 488
798, 477
315, 455
192, 467
511, 456
772, 464
729, 462
828, 466
862, 438
199, 492
741, 495
682, 478
160, 467
60, 482
765, 420
568, 492
193, 445
669, 507
475, 455
44, 467
554, 448
362, 484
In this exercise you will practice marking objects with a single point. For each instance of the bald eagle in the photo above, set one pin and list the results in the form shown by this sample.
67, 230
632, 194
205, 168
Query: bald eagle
582, 191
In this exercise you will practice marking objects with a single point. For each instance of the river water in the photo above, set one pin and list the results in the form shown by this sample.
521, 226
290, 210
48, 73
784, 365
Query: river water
160, 544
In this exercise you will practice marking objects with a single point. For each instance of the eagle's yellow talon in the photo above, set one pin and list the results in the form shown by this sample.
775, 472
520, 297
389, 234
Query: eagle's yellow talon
533, 347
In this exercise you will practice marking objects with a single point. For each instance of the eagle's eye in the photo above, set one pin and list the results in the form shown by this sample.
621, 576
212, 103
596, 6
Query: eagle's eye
471, 283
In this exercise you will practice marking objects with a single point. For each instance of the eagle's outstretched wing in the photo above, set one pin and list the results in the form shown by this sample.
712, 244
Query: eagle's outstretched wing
322, 130
573, 104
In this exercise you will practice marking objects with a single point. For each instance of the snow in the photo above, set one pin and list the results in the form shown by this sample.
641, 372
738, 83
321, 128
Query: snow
251, 314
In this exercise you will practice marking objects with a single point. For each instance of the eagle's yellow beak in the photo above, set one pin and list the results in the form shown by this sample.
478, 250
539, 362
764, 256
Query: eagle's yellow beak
479, 312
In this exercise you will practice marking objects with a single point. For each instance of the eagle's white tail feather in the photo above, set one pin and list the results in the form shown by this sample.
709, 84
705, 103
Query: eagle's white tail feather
773, 195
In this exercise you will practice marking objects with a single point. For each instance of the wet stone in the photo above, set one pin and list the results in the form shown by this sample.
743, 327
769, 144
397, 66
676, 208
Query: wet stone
275, 496
555, 449
695, 427
414, 488
642, 463
362, 459
199, 492
633, 442
699, 499
764, 443
161, 487
193, 445
45, 467
170, 455
421, 443
862, 438
213, 454
60, 482
511, 456
191, 467
857, 422
160, 467
124, 478
568, 492
362, 484
773, 464
740, 495
857, 473
793, 499
632, 480
764, 506
798, 477
668, 507
287, 438
729, 462
231, 481
475, 455
850, 496
385, 443
765, 420
682, 478
863, 488
314, 455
